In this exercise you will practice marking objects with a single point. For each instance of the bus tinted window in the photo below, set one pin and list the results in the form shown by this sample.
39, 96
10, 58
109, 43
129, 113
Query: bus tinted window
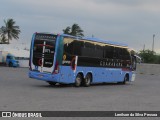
83, 48
126, 54
43, 51
88, 50
68, 46
78, 45
99, 51
117, 53
109, 50
120, 52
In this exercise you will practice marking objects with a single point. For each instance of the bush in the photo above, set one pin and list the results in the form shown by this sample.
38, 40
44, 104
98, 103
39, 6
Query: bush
149, 56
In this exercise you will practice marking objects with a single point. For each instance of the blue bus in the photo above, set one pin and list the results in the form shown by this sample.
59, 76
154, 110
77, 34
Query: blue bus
65, 59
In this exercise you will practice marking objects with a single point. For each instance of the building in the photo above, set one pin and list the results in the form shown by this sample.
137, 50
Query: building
22, 55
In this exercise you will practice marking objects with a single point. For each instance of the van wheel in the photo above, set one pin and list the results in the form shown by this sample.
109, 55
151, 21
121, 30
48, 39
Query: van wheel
10, 64
78, 80
51, 83
87, 80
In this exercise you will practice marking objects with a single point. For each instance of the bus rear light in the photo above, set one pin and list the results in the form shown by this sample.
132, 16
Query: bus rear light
74, 63
73, 67
56, 69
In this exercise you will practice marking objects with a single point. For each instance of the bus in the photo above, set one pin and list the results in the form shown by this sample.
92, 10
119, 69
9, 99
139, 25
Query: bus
65, 59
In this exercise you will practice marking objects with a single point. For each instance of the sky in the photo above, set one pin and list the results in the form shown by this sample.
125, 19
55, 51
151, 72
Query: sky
132, 22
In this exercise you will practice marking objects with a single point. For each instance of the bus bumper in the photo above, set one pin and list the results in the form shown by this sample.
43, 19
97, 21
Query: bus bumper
44, 76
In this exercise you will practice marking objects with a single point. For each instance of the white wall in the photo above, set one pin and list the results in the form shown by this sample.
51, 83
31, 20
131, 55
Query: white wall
3, 55
149, 69
23, 63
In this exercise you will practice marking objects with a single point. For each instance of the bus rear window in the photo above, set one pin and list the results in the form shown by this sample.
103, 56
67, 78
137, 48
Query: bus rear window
43, 50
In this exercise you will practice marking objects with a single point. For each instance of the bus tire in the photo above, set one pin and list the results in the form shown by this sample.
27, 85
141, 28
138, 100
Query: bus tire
51, 83
87, 80
78, 80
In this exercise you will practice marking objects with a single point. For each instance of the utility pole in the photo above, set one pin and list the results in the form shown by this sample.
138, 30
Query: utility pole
144, 47
153, 43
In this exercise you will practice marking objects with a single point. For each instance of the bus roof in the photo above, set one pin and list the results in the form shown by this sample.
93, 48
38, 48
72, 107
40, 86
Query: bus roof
106, 41
93, 39
99, 40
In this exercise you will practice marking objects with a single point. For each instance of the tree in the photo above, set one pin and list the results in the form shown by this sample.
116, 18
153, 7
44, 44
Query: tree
75, 30
2, 35
3, 40
67, 30
10, 30
148, 56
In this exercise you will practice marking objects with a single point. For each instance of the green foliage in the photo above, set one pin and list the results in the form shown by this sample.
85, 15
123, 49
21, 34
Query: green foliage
75, 30
149, 56
3, 40
9, 31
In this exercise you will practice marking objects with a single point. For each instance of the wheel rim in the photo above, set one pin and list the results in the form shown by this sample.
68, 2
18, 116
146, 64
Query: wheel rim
88, 80
78, 81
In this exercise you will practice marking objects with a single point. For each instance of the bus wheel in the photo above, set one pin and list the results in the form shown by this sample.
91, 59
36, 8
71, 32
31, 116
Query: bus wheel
51, 83
78, 80
87, 80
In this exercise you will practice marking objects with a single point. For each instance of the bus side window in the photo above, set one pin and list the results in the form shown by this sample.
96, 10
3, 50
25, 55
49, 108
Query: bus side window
68, 46
126, 54
78, 45
109, 50
125, 57
117, 53
88, 50
120, 53
98, 51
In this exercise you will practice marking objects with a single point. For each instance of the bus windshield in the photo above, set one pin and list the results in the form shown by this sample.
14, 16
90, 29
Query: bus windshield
43, 50
11, 57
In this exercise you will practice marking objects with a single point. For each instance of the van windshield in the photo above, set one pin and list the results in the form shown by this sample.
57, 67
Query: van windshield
44, 49
11, 57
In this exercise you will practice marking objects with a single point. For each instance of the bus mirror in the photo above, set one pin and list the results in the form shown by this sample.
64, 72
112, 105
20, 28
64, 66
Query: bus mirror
134, 63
